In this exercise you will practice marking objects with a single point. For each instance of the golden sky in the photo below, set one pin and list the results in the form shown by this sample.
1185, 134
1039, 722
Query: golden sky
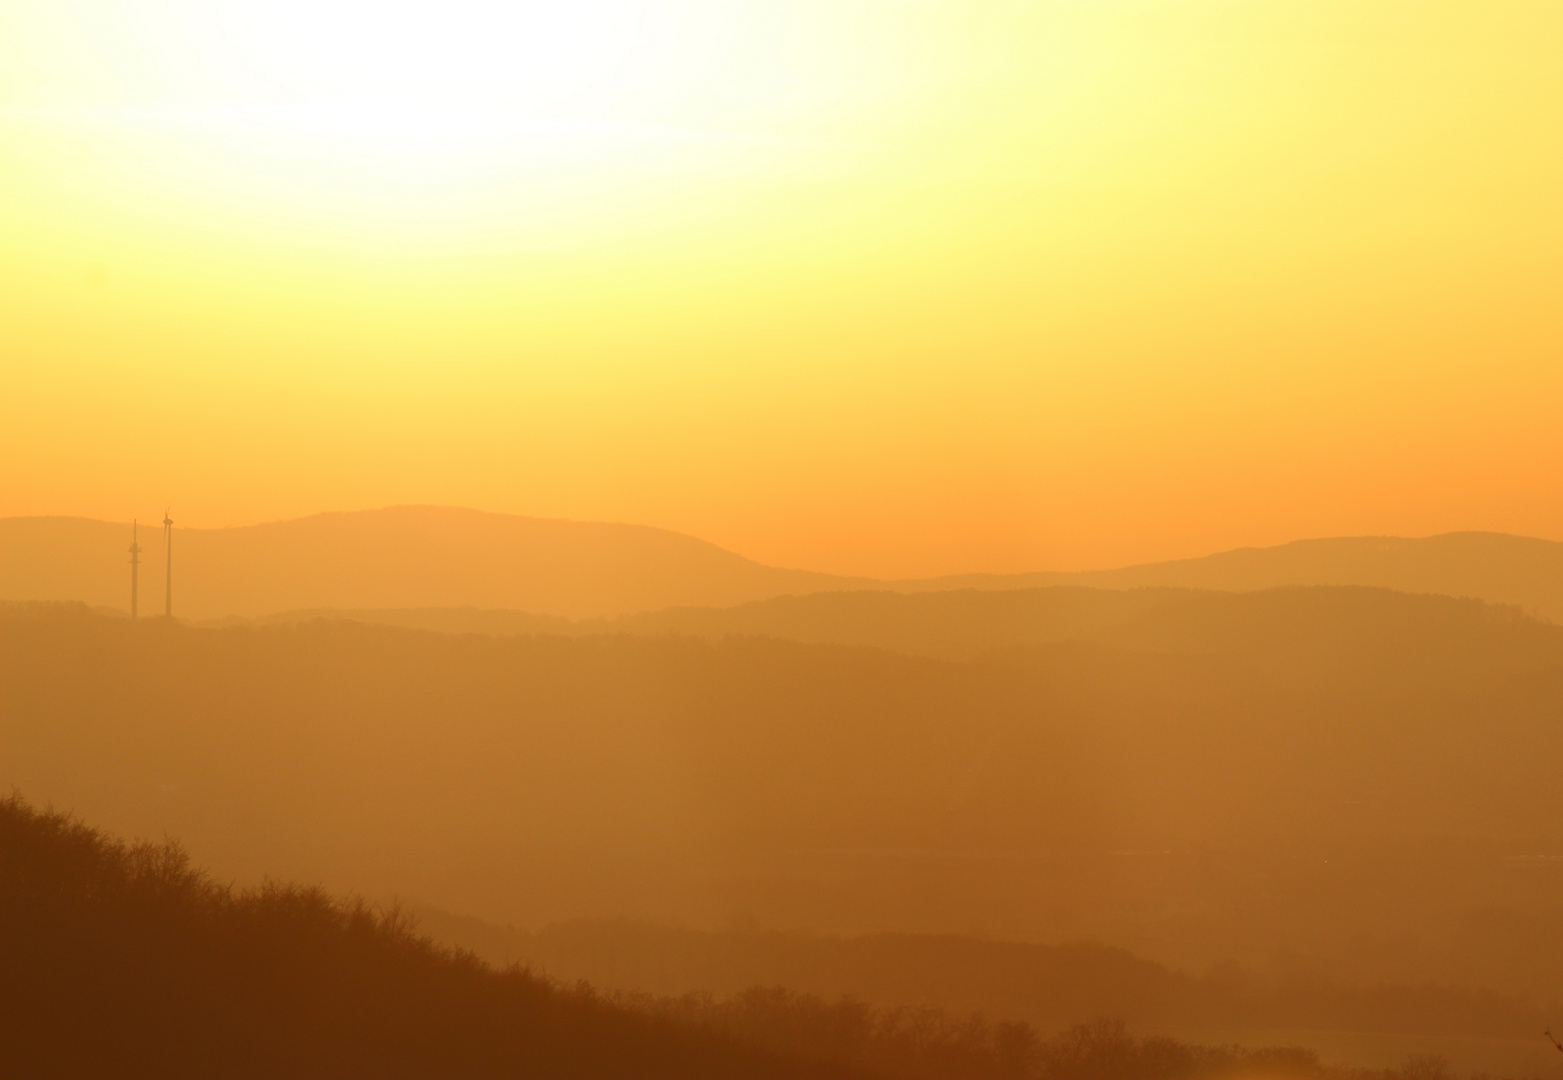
874, 286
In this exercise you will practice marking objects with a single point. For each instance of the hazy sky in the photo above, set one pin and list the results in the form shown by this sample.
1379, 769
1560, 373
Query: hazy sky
879, 286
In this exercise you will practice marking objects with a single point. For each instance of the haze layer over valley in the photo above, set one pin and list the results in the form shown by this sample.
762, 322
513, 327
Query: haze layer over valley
1260, 791
1353, 782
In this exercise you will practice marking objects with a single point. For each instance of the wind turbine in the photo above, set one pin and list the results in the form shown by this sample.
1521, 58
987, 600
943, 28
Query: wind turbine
168, 575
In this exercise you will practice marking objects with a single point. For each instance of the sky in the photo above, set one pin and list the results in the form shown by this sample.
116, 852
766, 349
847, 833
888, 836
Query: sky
888, 287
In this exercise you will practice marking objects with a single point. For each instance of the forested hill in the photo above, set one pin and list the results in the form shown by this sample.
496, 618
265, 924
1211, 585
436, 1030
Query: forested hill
1371, 624
1496, 567
124, 961
403, 556
1234, 776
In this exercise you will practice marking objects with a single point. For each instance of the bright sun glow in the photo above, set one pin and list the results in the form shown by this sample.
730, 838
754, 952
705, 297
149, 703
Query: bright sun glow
1087, 266
528, 55
351, 64
412, 109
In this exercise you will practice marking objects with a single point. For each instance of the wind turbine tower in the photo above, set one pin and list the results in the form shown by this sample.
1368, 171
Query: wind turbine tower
168, 576
135, 566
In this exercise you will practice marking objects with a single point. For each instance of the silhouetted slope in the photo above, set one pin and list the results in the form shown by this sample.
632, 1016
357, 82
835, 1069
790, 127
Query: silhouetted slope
438, 557
1495, 567
1293, 625
121, 961
956, 625
408, 556
1050, 986
124, 961
928, 1044
1307, 626
969, 623
463, 620
1338, 778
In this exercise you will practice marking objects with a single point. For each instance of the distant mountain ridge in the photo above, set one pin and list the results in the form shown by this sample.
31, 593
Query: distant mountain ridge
1285, 773
412, 557
407, 556
1050, 985
1308, 624
1496, 567
959, 624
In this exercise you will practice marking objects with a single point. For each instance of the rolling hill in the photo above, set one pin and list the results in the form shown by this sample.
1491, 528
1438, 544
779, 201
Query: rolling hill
124, 960
444, 558
1349, 780
410, 556
967, 624
1048, 985
1495, 567
959, 624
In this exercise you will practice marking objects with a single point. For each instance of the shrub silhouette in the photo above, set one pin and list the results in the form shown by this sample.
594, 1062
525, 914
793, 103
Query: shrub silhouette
123, 960
930, 1044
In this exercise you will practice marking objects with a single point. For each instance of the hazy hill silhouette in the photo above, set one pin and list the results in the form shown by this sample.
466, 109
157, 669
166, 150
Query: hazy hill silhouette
440, 557
125, 961
1291, 625
408, 556
1049, 985
1354, 781
960, 624
1300, 627
456, 620
1495, 567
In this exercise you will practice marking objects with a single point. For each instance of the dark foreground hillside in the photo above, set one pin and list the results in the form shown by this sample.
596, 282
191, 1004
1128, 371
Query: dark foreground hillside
1354, 784
1051, 986
124, 961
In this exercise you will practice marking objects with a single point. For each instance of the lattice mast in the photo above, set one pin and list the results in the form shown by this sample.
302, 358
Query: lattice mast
135, 567
168, 576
